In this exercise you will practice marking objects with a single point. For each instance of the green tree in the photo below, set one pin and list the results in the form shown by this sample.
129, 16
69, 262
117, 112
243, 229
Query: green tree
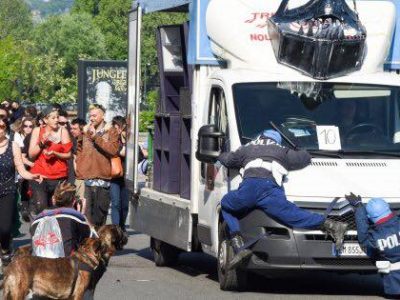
15, 19
113, 22
112, 18
44, 80
47, 8
71, 37
86, 6
146, 117
10, 55
25, 75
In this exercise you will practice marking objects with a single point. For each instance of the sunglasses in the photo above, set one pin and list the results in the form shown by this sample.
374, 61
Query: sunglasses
3, 116
28, 126
62, 123
3, 126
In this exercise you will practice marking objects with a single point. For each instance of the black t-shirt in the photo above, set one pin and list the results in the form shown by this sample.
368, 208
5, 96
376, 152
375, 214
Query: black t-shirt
27, 142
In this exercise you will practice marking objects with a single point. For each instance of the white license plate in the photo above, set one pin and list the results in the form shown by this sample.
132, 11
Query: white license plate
349, 249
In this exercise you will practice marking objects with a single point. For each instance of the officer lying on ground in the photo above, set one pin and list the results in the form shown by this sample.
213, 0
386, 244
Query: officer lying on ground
380, 238
265, 164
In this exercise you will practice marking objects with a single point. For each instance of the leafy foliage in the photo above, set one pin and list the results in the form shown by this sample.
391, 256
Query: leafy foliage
113, 22
33, 77
9, 68
72, 37
88, 6
47, 8
39, 61
112, 19
46, 80
146, 117
15, 19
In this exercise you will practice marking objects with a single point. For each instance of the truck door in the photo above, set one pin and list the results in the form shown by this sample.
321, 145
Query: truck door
213, 177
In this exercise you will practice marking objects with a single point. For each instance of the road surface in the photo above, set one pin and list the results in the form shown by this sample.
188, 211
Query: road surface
133, 275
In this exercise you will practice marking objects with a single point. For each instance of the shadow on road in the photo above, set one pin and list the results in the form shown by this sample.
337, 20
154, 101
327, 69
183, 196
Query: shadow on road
293, 282
317, 283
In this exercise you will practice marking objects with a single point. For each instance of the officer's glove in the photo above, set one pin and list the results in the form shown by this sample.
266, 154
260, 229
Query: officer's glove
353, 199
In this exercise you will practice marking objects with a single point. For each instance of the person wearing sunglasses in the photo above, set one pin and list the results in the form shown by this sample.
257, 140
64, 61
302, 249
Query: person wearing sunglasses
24, 130
21, 137
63, 119
50, 148
10, 161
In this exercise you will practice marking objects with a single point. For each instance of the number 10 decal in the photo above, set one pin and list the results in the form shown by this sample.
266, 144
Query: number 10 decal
328, 138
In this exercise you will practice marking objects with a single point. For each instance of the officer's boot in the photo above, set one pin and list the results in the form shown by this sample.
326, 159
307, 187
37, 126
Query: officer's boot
241, 254
336, 230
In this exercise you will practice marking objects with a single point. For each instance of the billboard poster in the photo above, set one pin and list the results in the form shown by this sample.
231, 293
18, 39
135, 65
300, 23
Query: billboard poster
105, 83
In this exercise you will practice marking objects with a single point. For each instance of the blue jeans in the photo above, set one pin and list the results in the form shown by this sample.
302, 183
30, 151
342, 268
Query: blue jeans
264, 194
119, 202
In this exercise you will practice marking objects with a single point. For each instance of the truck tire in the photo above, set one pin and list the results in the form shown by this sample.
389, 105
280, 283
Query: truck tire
164, 254
229, 280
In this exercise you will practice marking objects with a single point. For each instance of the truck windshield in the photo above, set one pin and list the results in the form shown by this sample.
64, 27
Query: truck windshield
323, 116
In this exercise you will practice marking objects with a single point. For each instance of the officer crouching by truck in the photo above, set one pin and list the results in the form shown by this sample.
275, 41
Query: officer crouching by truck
266, 163
378, 230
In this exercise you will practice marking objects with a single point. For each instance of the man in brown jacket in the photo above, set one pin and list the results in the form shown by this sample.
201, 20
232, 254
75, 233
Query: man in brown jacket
93, 163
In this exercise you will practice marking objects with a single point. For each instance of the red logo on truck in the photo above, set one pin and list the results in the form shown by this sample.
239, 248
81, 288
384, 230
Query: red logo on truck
259, 20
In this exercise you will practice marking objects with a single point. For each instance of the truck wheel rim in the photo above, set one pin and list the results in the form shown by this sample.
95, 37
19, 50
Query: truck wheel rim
222, 255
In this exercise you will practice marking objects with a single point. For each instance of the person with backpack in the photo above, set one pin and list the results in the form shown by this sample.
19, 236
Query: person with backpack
59, 231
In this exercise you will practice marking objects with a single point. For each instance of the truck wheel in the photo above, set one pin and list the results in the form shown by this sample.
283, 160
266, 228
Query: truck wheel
164, 254
229, 280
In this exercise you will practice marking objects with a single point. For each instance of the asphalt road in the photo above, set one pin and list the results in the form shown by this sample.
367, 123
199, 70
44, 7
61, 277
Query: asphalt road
133, 275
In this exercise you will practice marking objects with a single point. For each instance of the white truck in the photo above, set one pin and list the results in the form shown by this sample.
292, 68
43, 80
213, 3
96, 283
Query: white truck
350, 124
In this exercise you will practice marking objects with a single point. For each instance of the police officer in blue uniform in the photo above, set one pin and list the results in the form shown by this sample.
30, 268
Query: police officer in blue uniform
266, 163
378, 230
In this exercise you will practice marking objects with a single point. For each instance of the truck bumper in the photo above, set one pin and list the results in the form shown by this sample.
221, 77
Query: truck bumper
284, 248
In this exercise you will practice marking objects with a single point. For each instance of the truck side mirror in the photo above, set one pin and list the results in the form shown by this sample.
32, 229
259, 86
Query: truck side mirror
208, 145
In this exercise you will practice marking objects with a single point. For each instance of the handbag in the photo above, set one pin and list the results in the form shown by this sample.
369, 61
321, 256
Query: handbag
116, 167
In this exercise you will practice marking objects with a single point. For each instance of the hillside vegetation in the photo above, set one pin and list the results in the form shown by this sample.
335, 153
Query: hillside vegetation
50, 7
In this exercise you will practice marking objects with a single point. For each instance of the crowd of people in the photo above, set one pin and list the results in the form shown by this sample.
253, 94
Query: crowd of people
48, 162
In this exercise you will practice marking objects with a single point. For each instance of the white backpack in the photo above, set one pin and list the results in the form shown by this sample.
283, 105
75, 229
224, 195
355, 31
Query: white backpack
47, 240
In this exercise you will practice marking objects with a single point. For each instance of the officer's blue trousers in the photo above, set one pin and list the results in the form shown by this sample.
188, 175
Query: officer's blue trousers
265, 194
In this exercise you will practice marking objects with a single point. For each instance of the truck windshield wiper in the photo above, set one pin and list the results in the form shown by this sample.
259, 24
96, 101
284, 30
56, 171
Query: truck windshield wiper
324, 153
366, 152
284, 136
312, 152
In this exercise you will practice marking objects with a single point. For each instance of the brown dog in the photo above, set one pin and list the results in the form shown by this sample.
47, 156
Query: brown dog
111, 236
111, 239
59, 278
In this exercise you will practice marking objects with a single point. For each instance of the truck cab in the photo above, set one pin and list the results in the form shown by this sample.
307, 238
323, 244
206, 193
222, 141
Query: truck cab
350, 125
